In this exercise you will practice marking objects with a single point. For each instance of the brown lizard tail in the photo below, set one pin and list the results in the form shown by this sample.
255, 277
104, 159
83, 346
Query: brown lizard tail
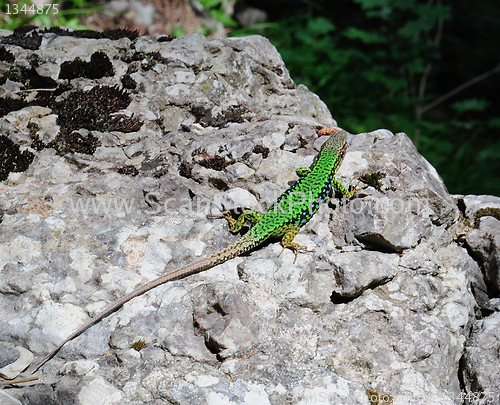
242, 245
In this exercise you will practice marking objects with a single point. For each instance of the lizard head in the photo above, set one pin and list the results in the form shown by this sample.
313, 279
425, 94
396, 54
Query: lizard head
337, 141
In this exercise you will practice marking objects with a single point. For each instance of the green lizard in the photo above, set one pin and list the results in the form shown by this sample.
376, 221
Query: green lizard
285, 217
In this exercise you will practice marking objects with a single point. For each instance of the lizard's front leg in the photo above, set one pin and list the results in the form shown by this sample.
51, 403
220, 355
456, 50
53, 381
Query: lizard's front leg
302, 171
339, 186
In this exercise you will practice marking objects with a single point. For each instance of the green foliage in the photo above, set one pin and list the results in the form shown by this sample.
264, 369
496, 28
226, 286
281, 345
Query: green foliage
178, 32
470, 105
218, 10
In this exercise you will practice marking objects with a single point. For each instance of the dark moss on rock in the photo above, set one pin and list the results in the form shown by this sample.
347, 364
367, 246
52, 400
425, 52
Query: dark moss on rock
36, 142
166, 38
129, 170
5, 55
25, 36
128, 82
8, 105
488, 212
98, 67
11, 158
147, 60
262, 150
29, 78
185, 169
373, 179
30, 36
92, 109
231, 114
113, 34
74, 142
215, 163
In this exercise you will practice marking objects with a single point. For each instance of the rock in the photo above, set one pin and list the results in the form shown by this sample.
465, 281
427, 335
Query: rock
99, 392
13, 360
355, 272
481, 362
115, 163
8, 354
473, 203
403, 197
484, 241
6, 399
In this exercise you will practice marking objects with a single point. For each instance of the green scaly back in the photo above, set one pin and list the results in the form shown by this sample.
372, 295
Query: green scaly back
296, 206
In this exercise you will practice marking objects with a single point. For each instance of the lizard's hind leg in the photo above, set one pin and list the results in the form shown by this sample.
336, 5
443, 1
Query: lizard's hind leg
289, 233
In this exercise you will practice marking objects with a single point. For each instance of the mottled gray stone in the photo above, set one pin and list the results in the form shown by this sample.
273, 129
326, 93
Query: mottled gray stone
473, 203
481, 368
6, 399
485, 244
8, 354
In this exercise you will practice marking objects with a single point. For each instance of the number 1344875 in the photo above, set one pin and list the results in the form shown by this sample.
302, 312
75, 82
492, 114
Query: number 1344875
33, 9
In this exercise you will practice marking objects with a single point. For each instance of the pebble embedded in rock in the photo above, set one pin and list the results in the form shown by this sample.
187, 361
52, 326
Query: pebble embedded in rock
13, 359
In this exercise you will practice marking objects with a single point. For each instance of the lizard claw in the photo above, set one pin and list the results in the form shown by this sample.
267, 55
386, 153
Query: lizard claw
353, 190
218, 216
295, 247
